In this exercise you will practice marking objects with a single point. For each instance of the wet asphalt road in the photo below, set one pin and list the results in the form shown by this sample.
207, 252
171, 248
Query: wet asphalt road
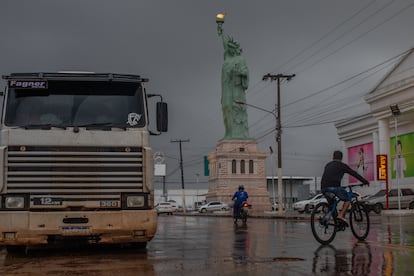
206, 245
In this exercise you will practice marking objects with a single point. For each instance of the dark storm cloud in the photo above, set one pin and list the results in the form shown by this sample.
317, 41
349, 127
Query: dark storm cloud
175, 44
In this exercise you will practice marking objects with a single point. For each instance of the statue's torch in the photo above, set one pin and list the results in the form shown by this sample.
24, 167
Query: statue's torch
220, 21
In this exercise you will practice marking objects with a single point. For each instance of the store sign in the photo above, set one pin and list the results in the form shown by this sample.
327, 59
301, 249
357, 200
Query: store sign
382, 167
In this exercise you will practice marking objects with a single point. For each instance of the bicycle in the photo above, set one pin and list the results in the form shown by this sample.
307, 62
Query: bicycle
324, 222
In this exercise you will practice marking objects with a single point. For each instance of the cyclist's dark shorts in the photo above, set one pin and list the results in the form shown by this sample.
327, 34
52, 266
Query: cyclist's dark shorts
339, 192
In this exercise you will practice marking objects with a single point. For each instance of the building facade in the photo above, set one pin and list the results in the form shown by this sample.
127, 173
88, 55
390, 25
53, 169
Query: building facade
383, 131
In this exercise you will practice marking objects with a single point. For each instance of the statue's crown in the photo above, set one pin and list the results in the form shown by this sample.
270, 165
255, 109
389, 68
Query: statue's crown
233, 43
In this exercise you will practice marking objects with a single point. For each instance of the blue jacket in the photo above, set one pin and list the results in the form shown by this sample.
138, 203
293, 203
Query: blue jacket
241, 196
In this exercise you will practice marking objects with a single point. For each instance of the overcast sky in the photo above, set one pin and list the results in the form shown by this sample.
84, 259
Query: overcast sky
338, 50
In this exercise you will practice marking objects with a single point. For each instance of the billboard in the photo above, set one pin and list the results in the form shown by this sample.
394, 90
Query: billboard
404, 163
361, 159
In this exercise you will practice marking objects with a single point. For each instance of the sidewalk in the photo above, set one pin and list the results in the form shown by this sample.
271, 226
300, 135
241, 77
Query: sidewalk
290, 214
394, 212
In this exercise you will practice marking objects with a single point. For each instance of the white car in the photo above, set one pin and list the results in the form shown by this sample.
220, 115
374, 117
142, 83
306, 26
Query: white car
314, 202
213, 206
165, 207
304, 205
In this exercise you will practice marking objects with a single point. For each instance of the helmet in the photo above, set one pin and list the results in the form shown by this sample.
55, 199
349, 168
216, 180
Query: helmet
241, 187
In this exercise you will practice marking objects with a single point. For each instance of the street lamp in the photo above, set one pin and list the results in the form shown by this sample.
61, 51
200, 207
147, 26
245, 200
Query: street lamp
395, 110
273, 178
279, 175
197, 176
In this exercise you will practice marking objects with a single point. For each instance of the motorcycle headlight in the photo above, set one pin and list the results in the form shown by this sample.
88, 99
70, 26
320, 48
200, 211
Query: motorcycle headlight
14, 202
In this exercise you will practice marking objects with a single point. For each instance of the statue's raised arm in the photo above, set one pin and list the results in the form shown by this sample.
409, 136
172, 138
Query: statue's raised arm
220, 21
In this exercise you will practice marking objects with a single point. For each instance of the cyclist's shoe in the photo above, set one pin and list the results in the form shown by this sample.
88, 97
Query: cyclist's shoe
343, 222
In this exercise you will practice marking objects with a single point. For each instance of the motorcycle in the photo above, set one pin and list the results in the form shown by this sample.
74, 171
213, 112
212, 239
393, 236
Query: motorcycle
243, 212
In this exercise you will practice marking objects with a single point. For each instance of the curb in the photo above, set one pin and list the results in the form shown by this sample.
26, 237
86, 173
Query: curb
404, 212
265, 215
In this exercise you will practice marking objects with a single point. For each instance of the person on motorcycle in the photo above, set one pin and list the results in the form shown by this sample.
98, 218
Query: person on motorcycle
240, 196
331, 181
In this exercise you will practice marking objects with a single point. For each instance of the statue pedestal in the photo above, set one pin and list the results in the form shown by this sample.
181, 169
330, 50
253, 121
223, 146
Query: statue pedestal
234, 163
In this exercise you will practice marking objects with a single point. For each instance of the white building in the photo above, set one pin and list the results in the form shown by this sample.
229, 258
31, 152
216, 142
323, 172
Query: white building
376, 133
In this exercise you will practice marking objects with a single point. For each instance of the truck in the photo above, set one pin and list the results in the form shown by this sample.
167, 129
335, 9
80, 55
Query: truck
75, 159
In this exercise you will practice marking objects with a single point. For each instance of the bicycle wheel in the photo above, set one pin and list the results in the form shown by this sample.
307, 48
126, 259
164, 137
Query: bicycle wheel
323, 228
359, 221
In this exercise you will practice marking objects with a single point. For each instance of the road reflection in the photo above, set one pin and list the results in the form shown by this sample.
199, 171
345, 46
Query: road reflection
82, 260
328, 260
241, 244
361, 259
207, 245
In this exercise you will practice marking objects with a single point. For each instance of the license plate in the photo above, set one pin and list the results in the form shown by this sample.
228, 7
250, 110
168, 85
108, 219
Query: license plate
75, 230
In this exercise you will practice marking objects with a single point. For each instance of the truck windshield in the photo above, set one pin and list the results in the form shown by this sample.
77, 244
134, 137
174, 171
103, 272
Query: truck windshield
77, 103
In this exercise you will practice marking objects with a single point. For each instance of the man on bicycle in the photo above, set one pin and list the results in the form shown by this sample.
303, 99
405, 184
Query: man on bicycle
240, 196
332, 177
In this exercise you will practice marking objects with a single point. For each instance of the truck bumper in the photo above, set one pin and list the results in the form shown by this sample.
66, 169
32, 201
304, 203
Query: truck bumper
35, 228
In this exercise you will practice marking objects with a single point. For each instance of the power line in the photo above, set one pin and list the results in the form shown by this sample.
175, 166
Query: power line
344, 81
323, 37
358, 37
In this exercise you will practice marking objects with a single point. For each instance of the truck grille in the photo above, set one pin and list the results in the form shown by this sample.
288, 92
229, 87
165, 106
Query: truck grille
75, 173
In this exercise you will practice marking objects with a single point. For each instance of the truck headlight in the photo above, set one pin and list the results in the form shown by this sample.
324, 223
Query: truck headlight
135, 201
14, 202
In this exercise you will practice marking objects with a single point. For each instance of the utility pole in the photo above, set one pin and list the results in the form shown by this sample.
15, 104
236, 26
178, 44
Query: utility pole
182, 170
277, 78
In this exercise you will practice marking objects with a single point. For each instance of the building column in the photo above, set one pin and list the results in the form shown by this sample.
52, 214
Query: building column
384, 141
376, 151
384, 137
344, 149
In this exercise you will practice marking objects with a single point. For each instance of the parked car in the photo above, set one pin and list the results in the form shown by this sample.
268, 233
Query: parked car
165, 207
307, 205
314, 202
213, 206
177, 208
303, 205
380, 193
275, 206
377, 204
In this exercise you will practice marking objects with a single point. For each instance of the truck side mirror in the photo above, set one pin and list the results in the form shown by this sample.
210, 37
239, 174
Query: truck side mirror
162, 117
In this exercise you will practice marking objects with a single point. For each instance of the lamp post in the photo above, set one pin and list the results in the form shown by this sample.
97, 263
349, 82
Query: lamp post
279, 176
395, 110
273, 178
197, 176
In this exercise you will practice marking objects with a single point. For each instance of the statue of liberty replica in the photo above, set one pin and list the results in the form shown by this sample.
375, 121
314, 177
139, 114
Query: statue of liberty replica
234, 83
236, 160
